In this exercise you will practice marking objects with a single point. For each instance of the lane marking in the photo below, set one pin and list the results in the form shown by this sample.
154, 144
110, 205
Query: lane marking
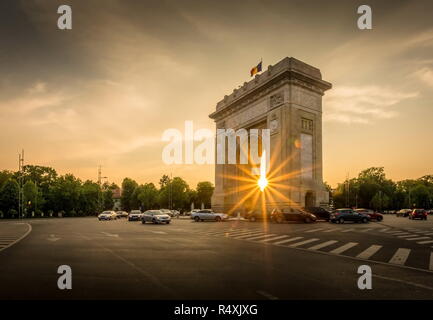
272, 239
365, 230
20, 238
431, 261
331, 230
384, 230
314, 230
322, 245
297, 244
287, 240
418, 238
425, 242
266, 295
343, 248
259, 237
348, 230
400, 256
366, 254
249, 235
412, 235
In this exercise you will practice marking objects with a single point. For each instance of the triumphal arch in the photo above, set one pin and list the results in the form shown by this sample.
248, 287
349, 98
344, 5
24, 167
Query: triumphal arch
286, 99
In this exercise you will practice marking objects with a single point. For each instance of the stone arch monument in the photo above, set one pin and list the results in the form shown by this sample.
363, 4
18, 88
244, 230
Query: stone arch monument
287, 99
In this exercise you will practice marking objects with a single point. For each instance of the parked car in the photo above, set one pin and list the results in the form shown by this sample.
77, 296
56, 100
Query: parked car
107, 215
319, 212
166, 211
343, 215
207, 214
373, 215
403, 213
418, 214
155, 216
122, 214
256, 215
191, 212
134, 215
175, 213
291, 214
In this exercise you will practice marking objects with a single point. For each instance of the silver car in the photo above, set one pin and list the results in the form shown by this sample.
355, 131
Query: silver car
155, 216
134, 215
107, 215
209, 215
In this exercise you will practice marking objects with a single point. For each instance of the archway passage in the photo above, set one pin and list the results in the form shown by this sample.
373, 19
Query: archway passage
309, 199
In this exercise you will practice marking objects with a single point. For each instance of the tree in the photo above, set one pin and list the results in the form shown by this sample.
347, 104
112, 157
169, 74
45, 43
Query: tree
31, 195
128, 187
9, 195
107, 199
176, 189
64, 194
164, 181
89, 194
204, 193
5, 175
148, 196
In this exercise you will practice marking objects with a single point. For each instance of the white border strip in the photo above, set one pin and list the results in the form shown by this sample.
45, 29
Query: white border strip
19, 239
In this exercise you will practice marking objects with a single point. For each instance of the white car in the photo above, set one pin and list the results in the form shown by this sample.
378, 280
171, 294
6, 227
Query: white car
166, 211
155, 216
191, 212
107, 215
207, 214
134, 215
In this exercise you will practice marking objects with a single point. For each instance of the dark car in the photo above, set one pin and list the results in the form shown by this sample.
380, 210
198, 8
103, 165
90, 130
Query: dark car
373, 215
343, 215
319, 212
256, 215
418, 214
291, 214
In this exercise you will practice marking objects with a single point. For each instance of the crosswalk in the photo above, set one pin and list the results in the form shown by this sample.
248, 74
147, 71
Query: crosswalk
313, 242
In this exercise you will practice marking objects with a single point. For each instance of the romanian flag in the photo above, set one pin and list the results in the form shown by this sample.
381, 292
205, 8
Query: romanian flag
256, 69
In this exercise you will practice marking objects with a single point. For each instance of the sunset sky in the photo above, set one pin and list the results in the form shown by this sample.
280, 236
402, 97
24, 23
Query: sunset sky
104, 92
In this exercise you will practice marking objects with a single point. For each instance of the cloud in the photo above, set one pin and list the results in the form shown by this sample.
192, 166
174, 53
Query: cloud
425, 75
363, 104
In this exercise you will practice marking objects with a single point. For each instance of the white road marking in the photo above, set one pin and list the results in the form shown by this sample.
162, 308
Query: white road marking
274, 238
259, 237
267, 295
157, 232
343, 248
52, 238
20, 238
412, 235
400, 256
425, 242
366, 254
400, 233
348, 230
385, 229
297, 244
431, 261
418, 238
288, 240
249, 235
331, 230
322, 245
366, 230
314, 230
110, 234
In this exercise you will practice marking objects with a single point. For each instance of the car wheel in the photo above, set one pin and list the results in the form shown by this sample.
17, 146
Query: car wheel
364, 220
218, 219
153, 221
196, 219
143, 221
307, 220
379, 219
341, 220
167, 222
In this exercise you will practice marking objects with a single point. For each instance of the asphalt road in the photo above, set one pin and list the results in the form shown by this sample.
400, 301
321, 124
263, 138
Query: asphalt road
210, 260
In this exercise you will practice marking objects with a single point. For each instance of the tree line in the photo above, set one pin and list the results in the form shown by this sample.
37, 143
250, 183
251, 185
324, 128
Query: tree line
45, 193
371, 189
